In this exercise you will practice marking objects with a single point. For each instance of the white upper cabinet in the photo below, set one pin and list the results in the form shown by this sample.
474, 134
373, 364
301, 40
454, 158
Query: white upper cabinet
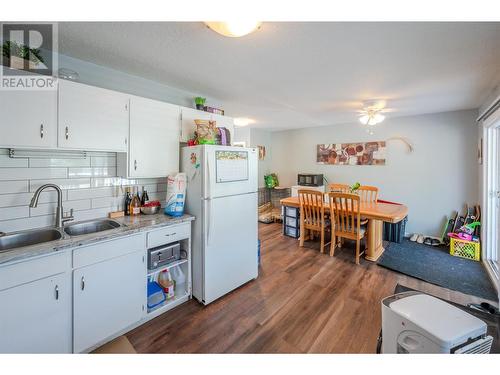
188, 125
91, 118
28, 119
154, 139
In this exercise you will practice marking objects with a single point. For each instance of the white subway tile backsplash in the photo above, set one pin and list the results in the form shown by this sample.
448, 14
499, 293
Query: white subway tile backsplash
24, 199
103, 161
27, 223
46, 163
9, 213
90, 187
7, 187
92, 172
93, 193
162, 187
32, 173
50, 208
116, 203
75, 183
7, 162
108, 181
91, 214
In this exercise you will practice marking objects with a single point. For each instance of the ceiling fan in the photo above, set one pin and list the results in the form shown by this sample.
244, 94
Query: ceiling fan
373, 112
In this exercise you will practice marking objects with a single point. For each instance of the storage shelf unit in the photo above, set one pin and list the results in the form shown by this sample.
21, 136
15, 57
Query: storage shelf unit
291, 221
167, 266
169, 303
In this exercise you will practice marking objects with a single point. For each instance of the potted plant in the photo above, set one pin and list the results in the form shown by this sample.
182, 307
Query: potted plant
15, 54
200, 102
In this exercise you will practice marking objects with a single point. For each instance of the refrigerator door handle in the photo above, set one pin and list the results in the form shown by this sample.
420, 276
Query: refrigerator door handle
210, 220
209, 181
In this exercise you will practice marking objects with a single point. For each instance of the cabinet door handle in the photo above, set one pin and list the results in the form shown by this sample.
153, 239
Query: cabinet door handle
41, 130
135, 165
67, 132
57, 292
171, 234
82, 284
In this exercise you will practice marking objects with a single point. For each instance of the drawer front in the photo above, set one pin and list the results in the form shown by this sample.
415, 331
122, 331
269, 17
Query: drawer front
291, 232
34, 269
291, 222
169, 234
102, 251
291, 211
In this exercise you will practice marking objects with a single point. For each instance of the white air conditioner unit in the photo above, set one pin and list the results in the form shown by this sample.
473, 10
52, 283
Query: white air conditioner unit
414, 322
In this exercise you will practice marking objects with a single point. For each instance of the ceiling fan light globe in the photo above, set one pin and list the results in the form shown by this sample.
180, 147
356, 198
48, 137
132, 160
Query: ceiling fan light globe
234, 29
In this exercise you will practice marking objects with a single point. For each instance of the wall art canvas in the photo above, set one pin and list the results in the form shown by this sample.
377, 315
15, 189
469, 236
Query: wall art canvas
366, 153
262, 152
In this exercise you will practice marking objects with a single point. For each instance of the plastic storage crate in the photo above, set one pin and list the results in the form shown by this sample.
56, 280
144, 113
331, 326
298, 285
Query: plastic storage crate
395, 232
465, 249
291, 221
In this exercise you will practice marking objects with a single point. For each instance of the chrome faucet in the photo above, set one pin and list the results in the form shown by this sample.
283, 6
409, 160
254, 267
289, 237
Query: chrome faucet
60, 217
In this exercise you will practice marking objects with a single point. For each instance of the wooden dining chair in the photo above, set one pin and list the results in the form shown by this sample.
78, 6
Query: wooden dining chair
346, 220
338, 188
312, 216
368, 193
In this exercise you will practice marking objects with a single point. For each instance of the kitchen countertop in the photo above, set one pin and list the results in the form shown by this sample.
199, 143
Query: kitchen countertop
130, 225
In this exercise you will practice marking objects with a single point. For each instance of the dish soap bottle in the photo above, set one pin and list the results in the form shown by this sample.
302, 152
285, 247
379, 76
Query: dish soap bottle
165, 280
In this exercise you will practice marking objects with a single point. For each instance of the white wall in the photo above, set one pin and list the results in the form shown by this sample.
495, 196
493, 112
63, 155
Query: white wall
437, 178
254, 138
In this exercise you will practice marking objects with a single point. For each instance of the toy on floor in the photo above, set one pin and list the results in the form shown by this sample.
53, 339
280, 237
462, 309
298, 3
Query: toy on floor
466, 232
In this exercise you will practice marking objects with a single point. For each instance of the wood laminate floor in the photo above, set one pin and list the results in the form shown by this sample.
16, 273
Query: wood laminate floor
302, 302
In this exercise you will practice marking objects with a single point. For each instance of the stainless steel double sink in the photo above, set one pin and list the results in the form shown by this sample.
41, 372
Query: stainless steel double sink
37, 236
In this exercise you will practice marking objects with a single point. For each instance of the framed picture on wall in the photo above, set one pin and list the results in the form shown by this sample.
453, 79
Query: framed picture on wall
262, 152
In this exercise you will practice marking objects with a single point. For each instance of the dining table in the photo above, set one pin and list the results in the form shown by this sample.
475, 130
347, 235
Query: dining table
376, 213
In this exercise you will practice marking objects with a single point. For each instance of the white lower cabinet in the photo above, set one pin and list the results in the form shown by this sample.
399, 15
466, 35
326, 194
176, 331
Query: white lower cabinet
36, 317
77, 300
107, 298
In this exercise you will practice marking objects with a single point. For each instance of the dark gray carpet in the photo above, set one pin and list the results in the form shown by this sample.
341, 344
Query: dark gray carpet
436, 266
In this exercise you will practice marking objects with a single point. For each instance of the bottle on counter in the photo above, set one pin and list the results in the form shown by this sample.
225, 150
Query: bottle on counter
144, 197
135, 204
128, 200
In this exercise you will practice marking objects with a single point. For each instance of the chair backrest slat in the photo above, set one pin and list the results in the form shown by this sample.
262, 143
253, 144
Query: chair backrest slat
368, 193
312, 208
345, 208
338, 188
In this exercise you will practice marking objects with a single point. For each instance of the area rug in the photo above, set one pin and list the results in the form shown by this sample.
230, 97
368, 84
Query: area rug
436, 266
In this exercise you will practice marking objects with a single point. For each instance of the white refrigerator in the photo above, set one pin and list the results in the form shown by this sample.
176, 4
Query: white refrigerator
222, 195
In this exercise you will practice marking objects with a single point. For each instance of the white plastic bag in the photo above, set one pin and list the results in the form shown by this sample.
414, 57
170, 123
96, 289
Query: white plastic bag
176, 195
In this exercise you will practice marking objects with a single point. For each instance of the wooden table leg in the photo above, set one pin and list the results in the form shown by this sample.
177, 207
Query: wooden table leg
375, 244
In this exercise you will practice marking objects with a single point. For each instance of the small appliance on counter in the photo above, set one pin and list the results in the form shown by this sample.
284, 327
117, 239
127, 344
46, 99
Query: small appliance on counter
414, 322
305, 179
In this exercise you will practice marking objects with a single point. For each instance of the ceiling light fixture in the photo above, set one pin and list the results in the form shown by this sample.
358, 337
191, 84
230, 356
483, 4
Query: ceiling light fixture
243, 121
234, 29
371, 118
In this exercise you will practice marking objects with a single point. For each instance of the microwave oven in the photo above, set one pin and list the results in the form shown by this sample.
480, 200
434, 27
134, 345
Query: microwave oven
304, 179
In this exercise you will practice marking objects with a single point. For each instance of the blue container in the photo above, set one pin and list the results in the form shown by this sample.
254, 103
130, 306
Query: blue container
156, 296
